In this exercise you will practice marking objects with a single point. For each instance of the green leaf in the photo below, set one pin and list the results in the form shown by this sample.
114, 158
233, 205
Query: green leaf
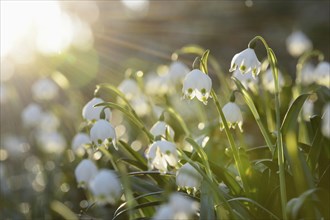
134, 154
207, 203
291, 116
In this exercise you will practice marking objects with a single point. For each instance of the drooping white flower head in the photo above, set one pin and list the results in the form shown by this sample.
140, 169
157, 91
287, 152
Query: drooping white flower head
268, 81
298, 43
178, 71
31, 115
130, 88
164, 212
183, 204
307, 110
179, 207
197, 84
326, 121
233, 116
246, 61
307, 74
85, 172
160, 154
106, 187
102, 132
160, 128
322, 74
51, 142
90, 112
246, 79
188, 177
44, 89
79, 141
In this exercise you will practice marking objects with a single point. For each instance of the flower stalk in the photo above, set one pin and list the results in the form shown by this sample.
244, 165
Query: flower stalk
279, 143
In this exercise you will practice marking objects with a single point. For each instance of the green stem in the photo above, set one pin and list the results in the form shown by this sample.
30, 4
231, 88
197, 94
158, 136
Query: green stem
281, 160
231, 142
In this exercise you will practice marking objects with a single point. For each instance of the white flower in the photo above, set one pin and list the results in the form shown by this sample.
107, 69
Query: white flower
246, 79
197, 84
160, 154
233, 116
160, 128
326, 121
298, 43
157, 85
164, 212
140, 105
322, 74
307, 110
178, 71
106, 187
188, 177
51, 142
31, 115
179, 207
268, 81
85, 172
90, 112
246, 61
130, 88
79, 141
44, 89
307, 74
102, 132
183, 204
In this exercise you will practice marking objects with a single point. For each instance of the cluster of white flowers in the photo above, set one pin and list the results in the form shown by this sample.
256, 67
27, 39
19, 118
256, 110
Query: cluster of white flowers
104, 184
44, 122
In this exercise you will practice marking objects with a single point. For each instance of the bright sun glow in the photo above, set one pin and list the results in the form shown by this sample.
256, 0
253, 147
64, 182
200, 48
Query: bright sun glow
41, 25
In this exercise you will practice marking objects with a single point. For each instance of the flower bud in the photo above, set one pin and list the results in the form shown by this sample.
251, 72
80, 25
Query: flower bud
90, 112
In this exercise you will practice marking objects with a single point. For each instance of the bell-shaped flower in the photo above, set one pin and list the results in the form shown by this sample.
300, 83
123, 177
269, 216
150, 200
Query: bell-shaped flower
31, 115
160, 128
90, 112
106, 187
44, 89
188, 177
247, 79
160, 154
298, 43
326, 121
129, 88
85, 172
268, 81
322, 74
79, 142
103, 132
307, 109
197, 84
245, 62
233, 116
307, 74
179, 207
178, 71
